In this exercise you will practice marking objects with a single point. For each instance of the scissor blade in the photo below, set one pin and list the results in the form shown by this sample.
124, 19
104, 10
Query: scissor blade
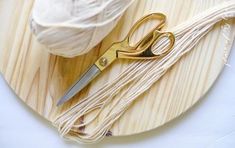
80, 84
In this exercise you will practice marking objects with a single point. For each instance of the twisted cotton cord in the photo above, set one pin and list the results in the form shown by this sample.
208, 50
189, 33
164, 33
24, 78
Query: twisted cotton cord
139, 76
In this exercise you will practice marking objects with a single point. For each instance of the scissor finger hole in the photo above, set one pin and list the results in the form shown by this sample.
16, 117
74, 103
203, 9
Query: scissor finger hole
142, 30
162, 45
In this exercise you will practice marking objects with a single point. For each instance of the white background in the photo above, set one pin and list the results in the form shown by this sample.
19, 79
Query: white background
209, 124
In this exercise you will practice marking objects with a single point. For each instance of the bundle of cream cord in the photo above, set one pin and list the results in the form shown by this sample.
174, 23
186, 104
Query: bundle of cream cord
187, 34
72, 27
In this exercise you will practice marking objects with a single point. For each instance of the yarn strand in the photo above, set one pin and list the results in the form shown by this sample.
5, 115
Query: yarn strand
146, 72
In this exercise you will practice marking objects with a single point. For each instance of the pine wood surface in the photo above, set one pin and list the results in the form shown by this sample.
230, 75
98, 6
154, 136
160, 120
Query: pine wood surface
40, 79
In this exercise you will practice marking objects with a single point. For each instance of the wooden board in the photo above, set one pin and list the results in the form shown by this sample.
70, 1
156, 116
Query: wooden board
39, 78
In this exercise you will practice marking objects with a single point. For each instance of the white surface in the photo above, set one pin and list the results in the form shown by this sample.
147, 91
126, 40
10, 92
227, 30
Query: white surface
209, 124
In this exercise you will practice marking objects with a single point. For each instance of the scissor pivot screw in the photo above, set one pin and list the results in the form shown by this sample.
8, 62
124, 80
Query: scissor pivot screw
103, 61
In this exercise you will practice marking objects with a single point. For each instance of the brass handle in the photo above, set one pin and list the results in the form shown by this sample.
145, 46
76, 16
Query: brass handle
144, 49
157, 16
153, 16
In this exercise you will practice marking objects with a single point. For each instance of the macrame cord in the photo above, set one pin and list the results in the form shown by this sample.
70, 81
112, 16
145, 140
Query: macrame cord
146, 72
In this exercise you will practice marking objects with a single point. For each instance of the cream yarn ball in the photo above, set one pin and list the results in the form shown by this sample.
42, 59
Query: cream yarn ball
73, 27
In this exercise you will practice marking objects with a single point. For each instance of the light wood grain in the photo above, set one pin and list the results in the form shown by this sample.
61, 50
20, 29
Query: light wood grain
40, 79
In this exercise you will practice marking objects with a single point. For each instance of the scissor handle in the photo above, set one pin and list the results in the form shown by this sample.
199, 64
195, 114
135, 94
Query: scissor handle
143, 48
153, 16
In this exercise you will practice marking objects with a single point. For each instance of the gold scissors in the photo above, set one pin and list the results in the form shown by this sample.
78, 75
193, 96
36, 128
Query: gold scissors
123, 49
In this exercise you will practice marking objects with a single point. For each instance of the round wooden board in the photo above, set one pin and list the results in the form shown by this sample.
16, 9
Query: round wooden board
39, 78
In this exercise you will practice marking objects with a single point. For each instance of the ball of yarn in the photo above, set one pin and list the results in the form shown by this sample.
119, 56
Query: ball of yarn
73, 27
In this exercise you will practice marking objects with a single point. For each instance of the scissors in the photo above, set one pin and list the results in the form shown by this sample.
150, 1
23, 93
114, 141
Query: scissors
141, 50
